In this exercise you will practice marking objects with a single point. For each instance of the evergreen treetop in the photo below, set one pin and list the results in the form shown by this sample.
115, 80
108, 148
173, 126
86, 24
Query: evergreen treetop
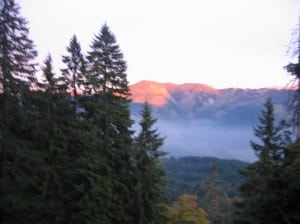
17, 53
261, 197
149, 184
107, 69
149, 138
75, 70
274, 138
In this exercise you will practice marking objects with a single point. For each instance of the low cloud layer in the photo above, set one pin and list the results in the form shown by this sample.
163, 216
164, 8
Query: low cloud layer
205, 138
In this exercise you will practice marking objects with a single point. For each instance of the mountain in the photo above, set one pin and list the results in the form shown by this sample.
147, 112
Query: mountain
160, 94
199, 120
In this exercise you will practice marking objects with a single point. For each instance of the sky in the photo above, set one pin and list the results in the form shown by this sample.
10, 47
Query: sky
222, 43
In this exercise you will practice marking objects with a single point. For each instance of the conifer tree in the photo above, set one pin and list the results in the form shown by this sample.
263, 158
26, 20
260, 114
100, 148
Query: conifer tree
18, 181
51, 141
291, 166
290, 177
72, 186
294, 70
149, 187
75, 70
274, 137
17, 69
262, 187
107, 71
51, 84
108, 109
17, 51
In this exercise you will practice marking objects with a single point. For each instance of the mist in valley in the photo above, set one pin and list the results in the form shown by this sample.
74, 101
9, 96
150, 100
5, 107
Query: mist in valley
205, 138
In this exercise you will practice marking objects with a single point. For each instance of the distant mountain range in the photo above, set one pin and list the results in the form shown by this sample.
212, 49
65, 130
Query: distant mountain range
199, 120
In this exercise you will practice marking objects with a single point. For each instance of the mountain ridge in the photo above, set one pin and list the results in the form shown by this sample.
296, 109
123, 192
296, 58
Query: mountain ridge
199, 120
160, 93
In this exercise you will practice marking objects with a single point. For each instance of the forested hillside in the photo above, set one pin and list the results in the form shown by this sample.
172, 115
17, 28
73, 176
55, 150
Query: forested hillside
186, 175
215, 181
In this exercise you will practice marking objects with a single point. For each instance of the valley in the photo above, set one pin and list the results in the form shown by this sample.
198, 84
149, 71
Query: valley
199, 120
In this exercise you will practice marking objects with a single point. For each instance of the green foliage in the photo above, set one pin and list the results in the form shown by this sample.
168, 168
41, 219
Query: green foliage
75, 70
215, 181
261, 191
290, 173
270, 193
189, 174
20, 179
274, 138
74, 75
186, 211
17, 51
290, 177
149, 186
73, 159
148, 141
51, 84
107, 69
18, 156
294, 70
108, 110
60, 163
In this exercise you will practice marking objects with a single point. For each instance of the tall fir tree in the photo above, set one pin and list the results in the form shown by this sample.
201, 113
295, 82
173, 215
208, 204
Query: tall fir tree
149, 189
261, 200
109, 110
294, 69
17, 51
274, 138
291, 166
18, 157
51, 142
107, 71
75, 70
72, 163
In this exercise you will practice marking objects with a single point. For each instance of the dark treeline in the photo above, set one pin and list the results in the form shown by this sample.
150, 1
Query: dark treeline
68, 153
188, 175
214, 181
270, 192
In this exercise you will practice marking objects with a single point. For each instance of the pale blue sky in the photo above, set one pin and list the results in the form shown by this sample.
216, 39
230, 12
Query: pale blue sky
223, 43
